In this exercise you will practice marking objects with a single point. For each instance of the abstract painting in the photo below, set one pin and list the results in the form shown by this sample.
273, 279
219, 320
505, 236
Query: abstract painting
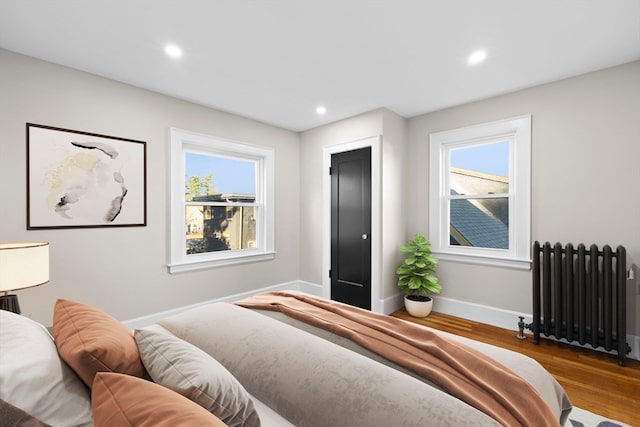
79, 179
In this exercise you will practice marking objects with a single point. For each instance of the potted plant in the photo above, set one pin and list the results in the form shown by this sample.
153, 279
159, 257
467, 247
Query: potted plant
416, 276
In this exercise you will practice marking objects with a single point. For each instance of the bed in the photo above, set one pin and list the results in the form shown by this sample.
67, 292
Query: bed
266, 361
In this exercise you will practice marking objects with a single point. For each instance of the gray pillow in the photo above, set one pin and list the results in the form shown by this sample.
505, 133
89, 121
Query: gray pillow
187, 370
35, 379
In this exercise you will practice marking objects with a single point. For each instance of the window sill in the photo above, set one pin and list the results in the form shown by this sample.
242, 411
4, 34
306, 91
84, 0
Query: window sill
180, 267
518, 264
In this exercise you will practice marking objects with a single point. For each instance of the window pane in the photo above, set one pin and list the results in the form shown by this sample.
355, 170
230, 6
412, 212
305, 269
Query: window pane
479, 222
220, 228
480, 169
208, 175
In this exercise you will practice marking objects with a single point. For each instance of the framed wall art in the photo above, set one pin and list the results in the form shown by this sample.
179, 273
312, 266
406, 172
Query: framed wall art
79, 179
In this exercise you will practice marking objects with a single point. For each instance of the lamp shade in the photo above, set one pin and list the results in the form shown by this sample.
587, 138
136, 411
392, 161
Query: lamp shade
23, 265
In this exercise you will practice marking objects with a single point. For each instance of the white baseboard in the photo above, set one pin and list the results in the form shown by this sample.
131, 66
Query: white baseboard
309, 288
507, 319
499, 317
298, 285
390, 304
634, 343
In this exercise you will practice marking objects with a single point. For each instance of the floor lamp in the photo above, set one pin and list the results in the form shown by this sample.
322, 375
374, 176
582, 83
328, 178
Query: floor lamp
22, 265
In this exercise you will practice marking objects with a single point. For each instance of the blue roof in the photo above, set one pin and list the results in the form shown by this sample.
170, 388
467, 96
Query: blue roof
479, 228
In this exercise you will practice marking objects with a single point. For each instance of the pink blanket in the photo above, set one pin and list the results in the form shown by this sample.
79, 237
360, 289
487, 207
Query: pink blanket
460, 370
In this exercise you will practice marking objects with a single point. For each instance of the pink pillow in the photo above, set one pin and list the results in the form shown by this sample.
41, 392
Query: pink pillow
123, 400
92, 341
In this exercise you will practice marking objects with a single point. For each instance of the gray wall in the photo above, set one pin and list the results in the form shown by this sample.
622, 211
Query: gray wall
311, 174
585, 176
392, 130
585, 186
123, 270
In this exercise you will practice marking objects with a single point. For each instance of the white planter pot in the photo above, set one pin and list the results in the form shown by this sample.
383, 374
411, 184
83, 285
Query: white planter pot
418, 308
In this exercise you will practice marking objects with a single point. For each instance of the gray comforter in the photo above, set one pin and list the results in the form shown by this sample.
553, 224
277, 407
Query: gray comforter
313, 377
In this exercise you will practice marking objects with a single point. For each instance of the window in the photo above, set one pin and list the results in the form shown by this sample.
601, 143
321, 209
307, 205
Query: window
221, 202
479, 193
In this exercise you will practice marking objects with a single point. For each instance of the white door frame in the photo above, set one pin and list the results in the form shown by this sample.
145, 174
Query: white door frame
375, 142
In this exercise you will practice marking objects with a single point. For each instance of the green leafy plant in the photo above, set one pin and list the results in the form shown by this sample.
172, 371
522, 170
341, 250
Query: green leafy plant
416, 273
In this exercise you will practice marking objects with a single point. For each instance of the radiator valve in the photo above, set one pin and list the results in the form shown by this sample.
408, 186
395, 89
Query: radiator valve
521, 326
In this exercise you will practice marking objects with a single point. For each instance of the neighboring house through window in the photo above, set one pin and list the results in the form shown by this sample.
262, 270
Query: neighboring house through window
479, 193
221, 202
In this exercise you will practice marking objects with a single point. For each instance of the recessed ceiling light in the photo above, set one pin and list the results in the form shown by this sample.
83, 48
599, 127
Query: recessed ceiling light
321, 109
477, 57
173, 51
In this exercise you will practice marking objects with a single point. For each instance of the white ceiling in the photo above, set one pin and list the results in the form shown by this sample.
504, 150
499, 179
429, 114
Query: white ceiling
276, 60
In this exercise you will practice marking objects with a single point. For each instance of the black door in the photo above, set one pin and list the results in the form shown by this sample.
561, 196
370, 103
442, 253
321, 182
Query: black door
351, 227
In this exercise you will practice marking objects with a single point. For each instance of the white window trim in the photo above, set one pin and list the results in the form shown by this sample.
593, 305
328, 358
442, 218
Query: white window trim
181, 141
518, 131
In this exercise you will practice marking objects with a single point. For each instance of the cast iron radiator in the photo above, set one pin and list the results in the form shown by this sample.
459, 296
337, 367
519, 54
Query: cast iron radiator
580, 295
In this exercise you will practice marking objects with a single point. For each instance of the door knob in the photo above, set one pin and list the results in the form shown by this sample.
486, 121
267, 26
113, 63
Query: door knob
365, 236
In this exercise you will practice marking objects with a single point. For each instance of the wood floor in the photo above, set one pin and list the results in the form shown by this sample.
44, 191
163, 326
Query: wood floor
593, 380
